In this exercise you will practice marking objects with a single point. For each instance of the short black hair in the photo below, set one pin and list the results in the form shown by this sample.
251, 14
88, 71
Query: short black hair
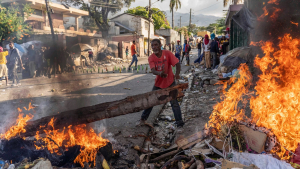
10, 42
133, 41
156, 40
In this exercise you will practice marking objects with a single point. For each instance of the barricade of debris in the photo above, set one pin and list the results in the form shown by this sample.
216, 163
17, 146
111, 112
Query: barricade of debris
237, 145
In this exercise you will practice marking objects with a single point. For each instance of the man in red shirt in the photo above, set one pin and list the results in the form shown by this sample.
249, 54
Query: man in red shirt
134, 57
160, 64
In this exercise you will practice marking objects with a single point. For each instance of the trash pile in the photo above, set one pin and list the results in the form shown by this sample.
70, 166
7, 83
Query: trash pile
235, 145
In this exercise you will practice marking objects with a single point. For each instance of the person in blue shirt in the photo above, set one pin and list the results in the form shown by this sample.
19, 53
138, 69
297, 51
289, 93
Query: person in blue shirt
178, 50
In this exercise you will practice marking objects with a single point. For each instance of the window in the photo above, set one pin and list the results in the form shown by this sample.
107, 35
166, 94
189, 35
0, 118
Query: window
38, 12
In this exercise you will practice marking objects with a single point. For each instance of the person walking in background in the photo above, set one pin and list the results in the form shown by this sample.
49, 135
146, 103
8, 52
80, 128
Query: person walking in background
183, 53
178, 50
134, 57
214, 50
31, 57
3, 67
206, 50
127, 52
187, 50
199, 46
14, 60
91, 56
200, 57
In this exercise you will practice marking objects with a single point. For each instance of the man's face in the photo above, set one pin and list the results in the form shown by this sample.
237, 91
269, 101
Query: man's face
156, 47
134, 43
11, 45
178, 43
185, 42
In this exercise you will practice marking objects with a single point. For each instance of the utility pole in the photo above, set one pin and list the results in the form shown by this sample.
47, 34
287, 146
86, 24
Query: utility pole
190, 19
180, 21
149, 27
50, 21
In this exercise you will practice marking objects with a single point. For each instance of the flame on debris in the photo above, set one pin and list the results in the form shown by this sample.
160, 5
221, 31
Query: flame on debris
276, 104
18, 128
80, 135
227, 111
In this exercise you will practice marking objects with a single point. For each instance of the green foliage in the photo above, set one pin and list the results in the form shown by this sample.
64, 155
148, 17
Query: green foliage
175, 4
159, 17
12, 24
98, 12
219, 26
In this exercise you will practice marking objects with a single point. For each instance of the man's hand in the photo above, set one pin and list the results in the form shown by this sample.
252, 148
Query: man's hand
23, 67
177, 77
163, 74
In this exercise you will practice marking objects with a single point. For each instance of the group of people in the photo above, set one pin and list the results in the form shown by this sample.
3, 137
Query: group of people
212, 48
36, 62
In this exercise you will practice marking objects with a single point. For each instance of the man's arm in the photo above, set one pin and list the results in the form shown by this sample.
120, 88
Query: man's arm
178, 69
159, 73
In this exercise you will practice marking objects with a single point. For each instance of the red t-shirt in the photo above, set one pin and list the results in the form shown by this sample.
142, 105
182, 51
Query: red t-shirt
164, 63
133, 49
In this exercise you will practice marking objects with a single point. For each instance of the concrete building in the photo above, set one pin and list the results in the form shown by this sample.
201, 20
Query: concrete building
126, 28
170, 35
66, 36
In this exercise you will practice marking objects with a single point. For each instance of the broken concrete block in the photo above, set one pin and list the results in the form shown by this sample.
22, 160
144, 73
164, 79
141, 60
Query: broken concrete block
43, 165
255, 139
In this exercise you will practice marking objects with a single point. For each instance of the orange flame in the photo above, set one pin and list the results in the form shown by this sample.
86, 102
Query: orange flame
273, 2
276, 105
294, 23
80, 135
18, 128
227, 110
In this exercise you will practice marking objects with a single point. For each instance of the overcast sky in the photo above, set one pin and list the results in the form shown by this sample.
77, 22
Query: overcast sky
206, 7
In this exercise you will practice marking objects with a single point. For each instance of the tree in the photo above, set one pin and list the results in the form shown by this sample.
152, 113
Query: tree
159, 17
12, 24
219, 26
174, 4
99, 10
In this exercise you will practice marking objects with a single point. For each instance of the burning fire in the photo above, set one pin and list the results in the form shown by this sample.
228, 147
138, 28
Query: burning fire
57, 141
18, 128
80, 135
276, 104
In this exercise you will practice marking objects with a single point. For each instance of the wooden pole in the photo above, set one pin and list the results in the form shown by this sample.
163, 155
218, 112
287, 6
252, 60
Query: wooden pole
107, 110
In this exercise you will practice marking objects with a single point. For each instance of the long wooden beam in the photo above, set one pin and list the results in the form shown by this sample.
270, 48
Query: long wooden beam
107, 110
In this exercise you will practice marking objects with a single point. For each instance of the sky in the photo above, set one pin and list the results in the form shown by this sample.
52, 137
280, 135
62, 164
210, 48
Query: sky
206, 7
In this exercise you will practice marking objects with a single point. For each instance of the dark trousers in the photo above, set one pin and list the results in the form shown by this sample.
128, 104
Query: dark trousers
134, 59
14, 74
183, 54
215, 59
175, 107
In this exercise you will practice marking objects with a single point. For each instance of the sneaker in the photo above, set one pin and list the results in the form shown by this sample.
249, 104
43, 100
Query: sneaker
14, 85
19, 84
140, 123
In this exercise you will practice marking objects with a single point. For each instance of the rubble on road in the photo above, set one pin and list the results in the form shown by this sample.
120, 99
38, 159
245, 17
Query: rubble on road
200, 147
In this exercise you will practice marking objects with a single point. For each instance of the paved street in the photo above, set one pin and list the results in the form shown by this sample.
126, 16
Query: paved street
72, 91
